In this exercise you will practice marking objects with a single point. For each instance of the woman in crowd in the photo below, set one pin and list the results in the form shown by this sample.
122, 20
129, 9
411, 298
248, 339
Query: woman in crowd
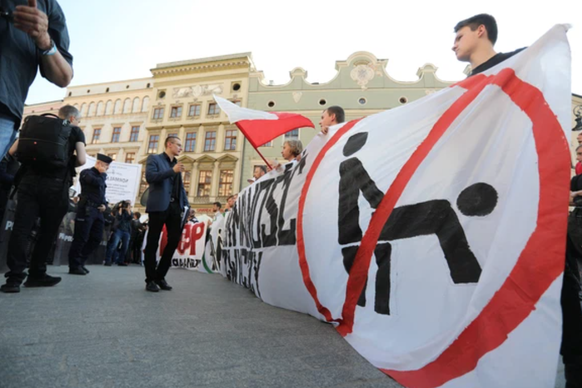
292, 150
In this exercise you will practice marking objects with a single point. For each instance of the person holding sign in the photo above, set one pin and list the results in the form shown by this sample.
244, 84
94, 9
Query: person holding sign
166, 205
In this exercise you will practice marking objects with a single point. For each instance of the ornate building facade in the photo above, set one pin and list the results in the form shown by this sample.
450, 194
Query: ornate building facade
128, 120
361, 87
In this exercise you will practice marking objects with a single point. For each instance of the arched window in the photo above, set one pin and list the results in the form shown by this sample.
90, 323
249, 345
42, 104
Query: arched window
100, 108
91, 110
83, 110
145, 103
127, 106
135, 107
109, 107
117, 109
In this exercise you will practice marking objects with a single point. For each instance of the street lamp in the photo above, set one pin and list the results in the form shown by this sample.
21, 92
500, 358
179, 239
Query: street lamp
578, 113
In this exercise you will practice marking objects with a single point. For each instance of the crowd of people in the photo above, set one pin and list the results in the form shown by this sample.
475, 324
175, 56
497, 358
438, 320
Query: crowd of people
35, 37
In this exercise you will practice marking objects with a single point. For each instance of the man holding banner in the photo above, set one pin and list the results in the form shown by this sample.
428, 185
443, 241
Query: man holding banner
474, 41
167, 205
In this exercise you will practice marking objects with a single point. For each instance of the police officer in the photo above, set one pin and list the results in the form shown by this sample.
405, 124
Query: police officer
89, 221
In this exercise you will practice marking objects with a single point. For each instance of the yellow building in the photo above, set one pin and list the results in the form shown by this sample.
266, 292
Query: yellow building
183, 105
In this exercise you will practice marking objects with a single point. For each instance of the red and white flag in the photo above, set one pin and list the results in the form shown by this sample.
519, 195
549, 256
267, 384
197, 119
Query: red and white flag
261, 127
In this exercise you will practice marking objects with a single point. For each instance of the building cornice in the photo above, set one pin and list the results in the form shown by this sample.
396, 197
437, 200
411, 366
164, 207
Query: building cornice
201, 68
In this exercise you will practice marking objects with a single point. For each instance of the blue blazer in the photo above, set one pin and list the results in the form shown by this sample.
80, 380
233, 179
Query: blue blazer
158, 174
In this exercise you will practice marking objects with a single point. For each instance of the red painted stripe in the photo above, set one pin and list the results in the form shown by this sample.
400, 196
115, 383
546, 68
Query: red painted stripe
300, 240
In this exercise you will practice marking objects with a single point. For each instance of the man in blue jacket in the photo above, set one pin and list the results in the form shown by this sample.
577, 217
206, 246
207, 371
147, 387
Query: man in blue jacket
167, 202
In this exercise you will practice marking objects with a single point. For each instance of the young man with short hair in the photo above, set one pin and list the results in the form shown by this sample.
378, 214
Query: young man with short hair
166, 204
331, 116
474, 41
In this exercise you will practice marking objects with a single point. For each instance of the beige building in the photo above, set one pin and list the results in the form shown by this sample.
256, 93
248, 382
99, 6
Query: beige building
183, 105
113, 117
51, 107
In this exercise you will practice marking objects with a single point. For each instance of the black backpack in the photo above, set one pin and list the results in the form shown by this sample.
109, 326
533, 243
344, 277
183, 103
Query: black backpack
44, 141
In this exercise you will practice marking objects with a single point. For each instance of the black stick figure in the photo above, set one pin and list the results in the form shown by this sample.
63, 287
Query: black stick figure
435, 217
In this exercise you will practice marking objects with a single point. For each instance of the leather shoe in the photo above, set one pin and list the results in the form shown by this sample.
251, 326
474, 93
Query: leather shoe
107, 264
77, 271
44, 281
122, 264
152, 287
163, 285
85, 269
10, 288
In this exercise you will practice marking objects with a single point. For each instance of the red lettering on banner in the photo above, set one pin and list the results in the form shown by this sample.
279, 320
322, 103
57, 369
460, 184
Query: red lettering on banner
164, 240
190, 235
185, 240
196, 232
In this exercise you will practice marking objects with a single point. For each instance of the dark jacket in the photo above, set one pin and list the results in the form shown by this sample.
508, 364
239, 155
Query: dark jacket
122, 221
92, 188
136, 228
158, 174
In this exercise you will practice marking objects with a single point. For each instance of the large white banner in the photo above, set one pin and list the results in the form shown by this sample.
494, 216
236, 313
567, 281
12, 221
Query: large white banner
123, 180
432, 235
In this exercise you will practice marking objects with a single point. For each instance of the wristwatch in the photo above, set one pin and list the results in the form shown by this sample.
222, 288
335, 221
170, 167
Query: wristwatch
52, 50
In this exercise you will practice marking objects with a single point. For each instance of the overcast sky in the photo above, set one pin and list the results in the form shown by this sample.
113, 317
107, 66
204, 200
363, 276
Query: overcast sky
124, 39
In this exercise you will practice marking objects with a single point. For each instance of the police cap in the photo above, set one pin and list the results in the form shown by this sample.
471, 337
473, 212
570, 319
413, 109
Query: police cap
104, 158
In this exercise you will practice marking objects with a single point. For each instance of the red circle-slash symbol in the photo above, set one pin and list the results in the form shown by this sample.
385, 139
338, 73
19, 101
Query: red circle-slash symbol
538, 266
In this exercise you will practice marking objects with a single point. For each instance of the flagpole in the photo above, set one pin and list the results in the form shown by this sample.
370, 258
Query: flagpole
254, 145
262, 157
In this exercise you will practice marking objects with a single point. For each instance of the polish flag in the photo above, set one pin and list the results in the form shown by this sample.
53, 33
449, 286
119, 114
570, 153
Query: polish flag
261, 127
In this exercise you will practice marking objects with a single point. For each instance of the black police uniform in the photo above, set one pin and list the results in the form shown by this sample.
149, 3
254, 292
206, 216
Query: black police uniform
89, 221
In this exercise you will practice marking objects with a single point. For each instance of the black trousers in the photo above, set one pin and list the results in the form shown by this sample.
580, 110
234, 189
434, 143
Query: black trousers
131, 256
571, 347
172, 218
88, 235
42, 197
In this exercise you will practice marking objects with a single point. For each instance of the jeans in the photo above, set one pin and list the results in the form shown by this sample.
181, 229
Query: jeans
42, 197
7, 134
112, 252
